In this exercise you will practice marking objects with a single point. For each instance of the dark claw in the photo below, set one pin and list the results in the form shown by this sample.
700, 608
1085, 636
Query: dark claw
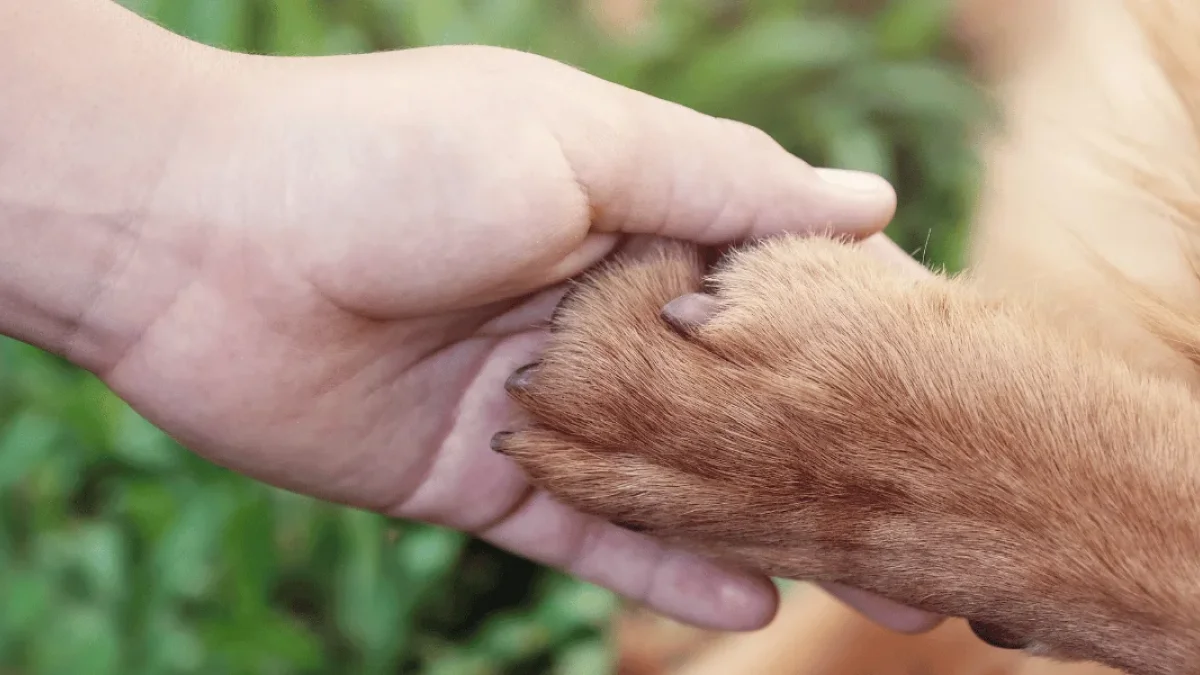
997, 636
499, 440
632, 527
521, 378
688, 313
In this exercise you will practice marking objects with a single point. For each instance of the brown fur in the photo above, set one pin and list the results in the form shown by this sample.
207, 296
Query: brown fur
1020, 448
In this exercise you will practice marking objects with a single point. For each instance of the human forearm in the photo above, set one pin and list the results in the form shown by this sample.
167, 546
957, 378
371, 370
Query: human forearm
95, 101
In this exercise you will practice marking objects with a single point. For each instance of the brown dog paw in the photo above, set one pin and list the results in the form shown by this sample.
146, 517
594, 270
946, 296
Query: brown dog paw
818, 415
794, 419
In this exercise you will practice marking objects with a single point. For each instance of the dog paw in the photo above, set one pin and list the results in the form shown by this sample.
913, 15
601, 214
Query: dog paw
799, 416
809, 412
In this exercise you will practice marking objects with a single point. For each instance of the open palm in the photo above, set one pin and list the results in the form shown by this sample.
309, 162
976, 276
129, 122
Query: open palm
344, 329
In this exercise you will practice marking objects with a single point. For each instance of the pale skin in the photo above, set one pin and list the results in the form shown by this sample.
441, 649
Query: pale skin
320, 272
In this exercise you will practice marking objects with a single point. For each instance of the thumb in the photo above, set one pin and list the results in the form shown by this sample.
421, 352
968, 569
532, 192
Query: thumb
667, 170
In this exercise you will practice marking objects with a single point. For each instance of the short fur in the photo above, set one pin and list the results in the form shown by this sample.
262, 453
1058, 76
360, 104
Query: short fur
1020, 447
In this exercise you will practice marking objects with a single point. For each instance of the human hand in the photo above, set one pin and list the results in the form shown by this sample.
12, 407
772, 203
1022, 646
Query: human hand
341, 260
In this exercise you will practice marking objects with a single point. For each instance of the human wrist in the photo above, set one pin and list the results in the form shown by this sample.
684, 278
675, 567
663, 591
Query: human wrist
96, 101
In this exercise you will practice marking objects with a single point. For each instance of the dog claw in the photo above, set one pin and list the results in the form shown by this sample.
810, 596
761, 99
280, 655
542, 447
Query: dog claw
521, 378
996, 636
687, 313
498, 442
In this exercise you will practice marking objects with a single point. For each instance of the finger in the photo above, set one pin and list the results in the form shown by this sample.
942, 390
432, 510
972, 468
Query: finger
900, 618
668, 170
672, 582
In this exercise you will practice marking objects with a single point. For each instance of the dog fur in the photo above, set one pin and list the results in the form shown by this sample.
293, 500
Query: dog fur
1017, 446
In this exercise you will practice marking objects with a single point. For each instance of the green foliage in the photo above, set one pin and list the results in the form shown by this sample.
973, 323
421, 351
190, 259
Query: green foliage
122, 553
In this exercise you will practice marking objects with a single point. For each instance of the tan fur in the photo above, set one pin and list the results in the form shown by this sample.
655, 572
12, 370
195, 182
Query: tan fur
1020, 448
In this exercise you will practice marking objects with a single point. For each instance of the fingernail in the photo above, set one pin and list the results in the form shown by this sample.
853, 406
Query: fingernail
688, 313
521, 378
897, 617
745, 597
858, 181
996, 636
499, 440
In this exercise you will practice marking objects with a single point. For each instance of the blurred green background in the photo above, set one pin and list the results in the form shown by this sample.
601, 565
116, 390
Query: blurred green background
120, 553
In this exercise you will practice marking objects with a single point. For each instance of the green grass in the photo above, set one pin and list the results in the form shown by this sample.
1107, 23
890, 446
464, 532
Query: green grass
120, 553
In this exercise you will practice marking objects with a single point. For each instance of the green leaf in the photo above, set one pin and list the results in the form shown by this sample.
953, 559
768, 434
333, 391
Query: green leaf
430, 22
370, 606
149, 504
92, 412
863, 148
24, 442
83, 640
280, 644
28, 600
924, 90
463, 664
513, 23
570, 603
288, 643
426, 554
346, 39
173, 647
299, 28
101, 556
764, 53
141, 444
511, 638
184, 558
220, 23
911, 28
251, 554
592, 657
